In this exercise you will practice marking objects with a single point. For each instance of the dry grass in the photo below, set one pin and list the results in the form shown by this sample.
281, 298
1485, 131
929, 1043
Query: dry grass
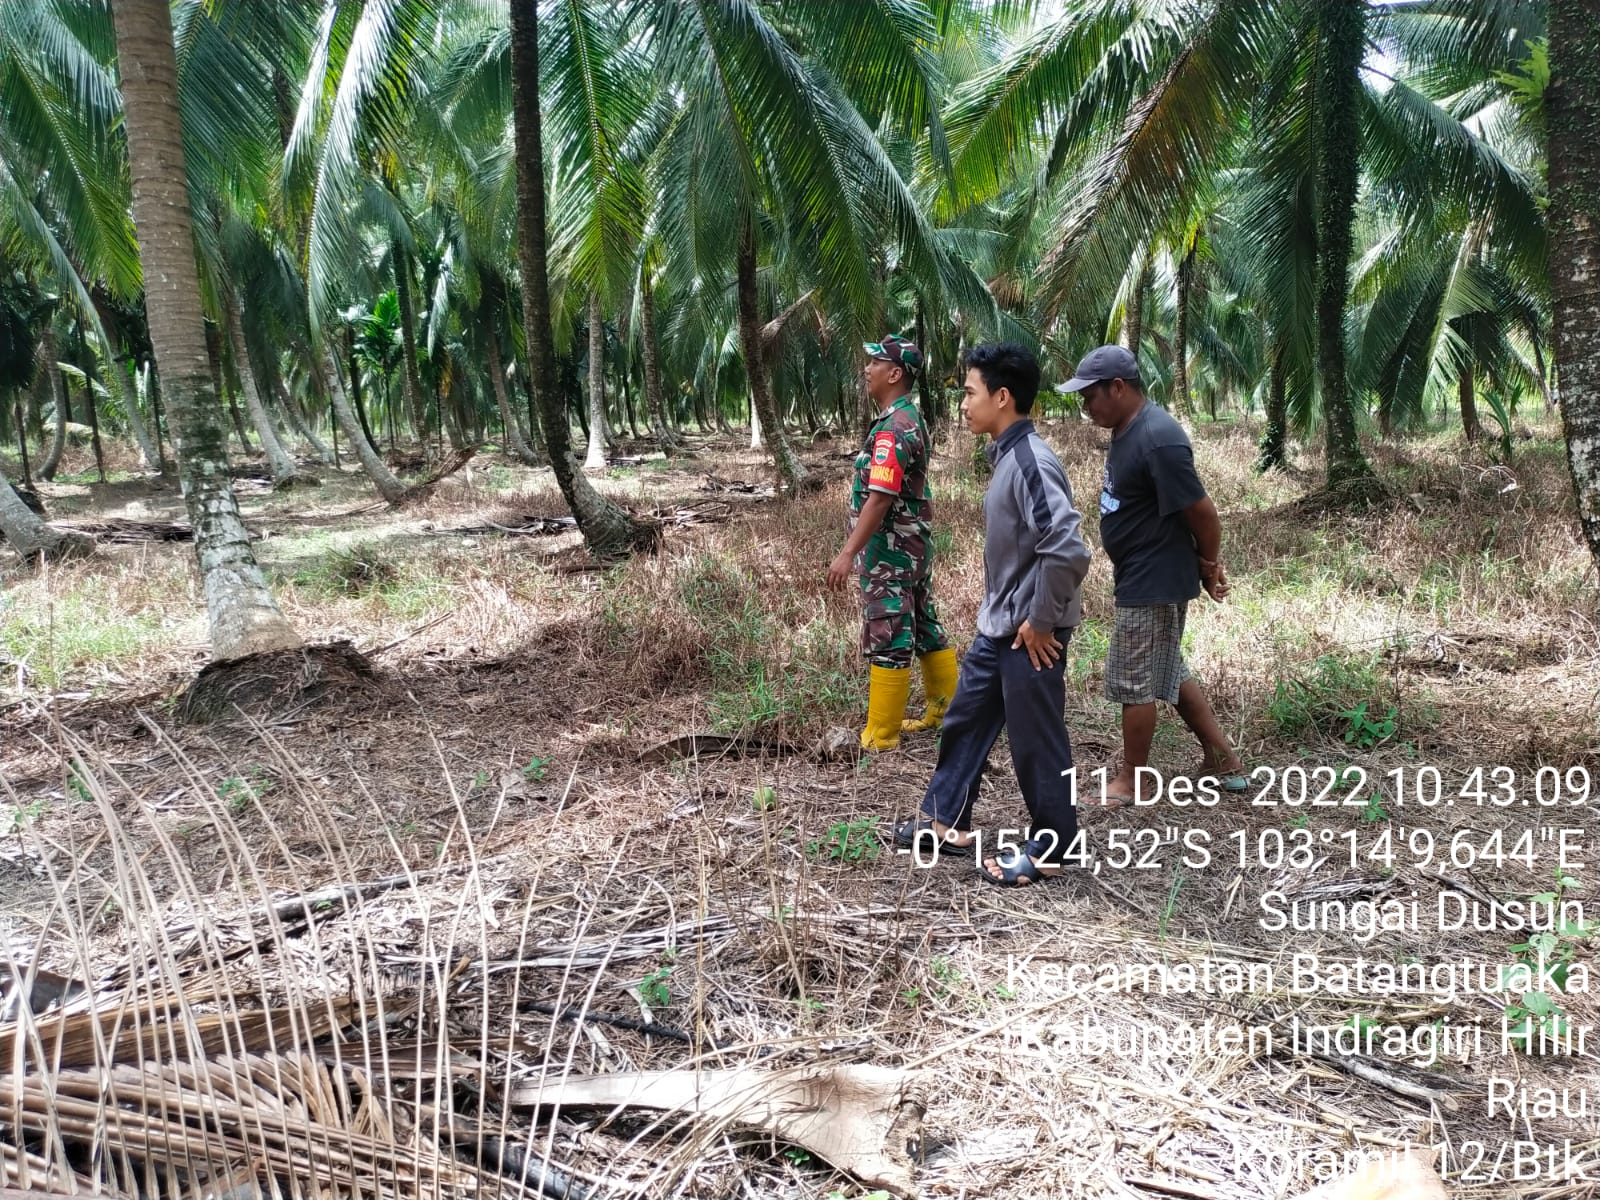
494, 769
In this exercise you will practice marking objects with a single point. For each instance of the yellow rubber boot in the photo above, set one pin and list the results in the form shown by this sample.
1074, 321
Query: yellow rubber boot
939, 672
886, 707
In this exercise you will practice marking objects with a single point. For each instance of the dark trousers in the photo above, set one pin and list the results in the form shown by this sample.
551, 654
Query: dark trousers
999, 688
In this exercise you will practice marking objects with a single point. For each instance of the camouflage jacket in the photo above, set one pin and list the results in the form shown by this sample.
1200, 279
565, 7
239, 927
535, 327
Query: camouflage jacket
894, 460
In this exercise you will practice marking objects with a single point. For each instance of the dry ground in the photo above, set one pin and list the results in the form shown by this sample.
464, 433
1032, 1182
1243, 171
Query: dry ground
501, 755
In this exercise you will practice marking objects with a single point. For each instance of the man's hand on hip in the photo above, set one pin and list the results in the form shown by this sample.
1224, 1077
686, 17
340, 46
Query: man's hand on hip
1043, 648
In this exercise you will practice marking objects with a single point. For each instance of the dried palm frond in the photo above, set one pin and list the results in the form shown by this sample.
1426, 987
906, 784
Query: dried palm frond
298, 1126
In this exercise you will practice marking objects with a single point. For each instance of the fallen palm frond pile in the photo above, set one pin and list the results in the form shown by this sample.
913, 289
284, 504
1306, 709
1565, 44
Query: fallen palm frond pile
168, 1035
706, 512
715, 483
122, 531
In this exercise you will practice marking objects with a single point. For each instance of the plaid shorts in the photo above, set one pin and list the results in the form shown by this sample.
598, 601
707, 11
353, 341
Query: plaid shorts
1145, 662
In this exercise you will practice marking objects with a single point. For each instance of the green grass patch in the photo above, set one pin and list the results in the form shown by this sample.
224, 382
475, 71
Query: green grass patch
822, 679
1086, 652
1347, 697
91, 477
352, 570
78, 630
766, 666
847, 843
1437, 589
403, 587
1314, 695
411, 599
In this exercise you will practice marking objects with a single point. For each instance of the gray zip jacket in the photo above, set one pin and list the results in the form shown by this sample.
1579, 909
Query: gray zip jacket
1034, 555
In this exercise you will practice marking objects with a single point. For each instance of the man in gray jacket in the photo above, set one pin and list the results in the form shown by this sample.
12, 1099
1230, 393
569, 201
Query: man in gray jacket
1034, 561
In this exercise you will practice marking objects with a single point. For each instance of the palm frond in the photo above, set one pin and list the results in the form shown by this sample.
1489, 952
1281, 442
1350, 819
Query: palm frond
1179, 134
379, 76
594, 97
1425, 160
60, 130
884, 55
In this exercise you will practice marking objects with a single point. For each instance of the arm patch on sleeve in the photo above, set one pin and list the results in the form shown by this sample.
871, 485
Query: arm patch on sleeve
887, 472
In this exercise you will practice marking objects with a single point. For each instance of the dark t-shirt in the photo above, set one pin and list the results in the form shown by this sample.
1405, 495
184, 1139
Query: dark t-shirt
1149, 480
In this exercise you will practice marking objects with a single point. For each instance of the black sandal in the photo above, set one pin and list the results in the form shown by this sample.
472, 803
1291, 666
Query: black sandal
909, 834
1019, 868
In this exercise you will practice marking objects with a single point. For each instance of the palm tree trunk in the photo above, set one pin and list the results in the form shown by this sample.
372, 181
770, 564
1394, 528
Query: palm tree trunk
606, 527
33, 406
1469, 406
242, 615
20, 418
58, 436
666, 437
595, 459
1180, 353
238, 420
152, 389
454, 424
791, 472
301, 426
809, 404
355, 433
149, 457
29, 536
214, 361
520, 450
225, 391
93, 410
530, 431
624, 381
1572, 106
37, 400
279, 463
408, 347
1274, 441
1544, 379
355, 388
1339, 85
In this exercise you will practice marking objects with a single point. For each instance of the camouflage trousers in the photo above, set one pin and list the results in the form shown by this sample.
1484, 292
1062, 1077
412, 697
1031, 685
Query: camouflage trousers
898, 619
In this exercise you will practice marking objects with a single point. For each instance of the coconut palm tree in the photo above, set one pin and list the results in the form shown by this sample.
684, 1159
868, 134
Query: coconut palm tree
1130, 114
24, 529
242, 615
771, 141
607, 529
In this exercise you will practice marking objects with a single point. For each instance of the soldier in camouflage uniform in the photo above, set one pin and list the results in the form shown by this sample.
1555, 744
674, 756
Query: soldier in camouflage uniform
891, 513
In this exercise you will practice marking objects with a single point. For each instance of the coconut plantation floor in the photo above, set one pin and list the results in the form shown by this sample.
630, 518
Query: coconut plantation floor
392, 921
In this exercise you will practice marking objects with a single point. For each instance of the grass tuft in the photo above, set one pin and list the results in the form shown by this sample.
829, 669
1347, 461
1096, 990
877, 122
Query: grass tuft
353, 570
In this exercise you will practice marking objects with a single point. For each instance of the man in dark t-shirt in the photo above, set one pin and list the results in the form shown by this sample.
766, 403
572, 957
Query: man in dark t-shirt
1162, 534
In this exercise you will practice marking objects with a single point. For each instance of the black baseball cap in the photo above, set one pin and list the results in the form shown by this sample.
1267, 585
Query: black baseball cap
1101, 365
